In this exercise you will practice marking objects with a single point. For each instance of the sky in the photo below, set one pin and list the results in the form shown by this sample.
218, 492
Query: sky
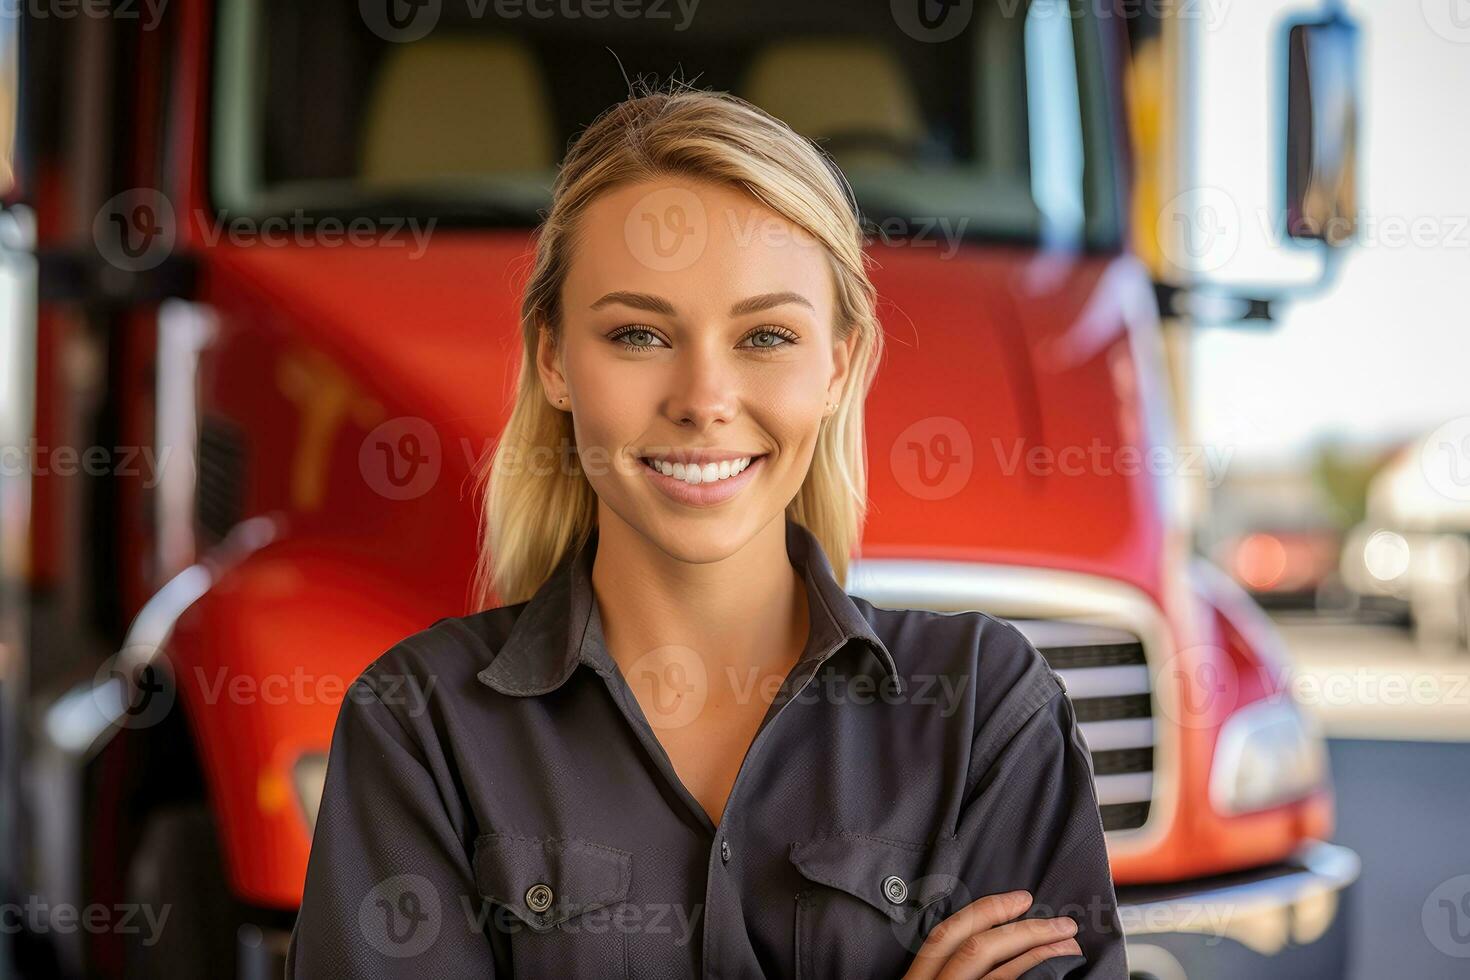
1385, 353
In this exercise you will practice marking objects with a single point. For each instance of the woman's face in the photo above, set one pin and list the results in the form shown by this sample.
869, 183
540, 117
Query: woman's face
695, 321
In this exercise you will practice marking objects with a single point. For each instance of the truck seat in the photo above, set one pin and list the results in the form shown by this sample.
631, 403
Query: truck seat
825, 87
456, 107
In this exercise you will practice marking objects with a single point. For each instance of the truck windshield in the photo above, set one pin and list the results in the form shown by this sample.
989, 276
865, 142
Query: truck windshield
990, 122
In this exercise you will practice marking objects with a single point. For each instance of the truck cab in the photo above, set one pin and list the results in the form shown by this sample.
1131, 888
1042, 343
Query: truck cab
295, 239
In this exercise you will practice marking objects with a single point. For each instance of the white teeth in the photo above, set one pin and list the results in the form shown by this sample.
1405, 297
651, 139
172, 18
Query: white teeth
695, 475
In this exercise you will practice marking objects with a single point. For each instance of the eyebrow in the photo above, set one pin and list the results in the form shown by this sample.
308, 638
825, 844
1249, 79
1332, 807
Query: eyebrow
657, 304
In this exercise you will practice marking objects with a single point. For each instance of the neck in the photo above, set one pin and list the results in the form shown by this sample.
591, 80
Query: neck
744, 614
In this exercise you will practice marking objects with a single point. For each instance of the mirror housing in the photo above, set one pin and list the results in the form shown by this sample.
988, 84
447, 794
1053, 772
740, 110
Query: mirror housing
1320, 169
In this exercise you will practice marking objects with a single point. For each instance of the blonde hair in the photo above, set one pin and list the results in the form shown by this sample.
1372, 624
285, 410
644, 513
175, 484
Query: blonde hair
533, 516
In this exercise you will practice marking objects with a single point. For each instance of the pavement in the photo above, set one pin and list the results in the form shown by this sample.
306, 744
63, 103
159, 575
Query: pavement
1397, 717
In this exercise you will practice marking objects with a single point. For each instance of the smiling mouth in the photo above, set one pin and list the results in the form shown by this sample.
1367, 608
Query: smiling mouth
699, 475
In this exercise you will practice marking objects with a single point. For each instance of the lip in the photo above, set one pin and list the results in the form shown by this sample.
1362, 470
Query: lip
705, 494
696, 456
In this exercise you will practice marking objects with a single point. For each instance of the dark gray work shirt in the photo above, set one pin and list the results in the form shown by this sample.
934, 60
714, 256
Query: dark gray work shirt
498, 805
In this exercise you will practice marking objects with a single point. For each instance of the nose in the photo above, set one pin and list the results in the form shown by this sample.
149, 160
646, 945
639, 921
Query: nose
706, 387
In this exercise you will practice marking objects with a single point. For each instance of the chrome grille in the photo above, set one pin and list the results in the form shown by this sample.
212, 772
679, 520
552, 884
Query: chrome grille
1107, 678
1079, 621
220, 490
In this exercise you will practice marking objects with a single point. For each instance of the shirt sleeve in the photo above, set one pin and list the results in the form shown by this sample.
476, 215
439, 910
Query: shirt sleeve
389, 889
1032, 821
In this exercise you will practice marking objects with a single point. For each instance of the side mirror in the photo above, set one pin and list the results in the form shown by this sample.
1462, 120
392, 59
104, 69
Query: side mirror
1321, 139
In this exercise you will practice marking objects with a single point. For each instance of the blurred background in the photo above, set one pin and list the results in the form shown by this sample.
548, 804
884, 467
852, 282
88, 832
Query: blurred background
1174, 297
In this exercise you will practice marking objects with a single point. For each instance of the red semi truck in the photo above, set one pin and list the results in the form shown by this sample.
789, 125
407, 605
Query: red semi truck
265, 263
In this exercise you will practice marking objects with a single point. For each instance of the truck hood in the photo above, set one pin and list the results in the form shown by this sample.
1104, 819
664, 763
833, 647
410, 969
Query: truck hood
1014, 407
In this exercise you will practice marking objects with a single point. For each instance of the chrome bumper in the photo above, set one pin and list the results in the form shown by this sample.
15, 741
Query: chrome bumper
1287, 919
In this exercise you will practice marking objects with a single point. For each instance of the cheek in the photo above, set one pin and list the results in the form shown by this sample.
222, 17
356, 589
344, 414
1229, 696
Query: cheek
791, 397
790, 416
611, 405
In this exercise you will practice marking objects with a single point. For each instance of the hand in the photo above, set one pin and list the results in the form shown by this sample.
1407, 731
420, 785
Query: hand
980, 940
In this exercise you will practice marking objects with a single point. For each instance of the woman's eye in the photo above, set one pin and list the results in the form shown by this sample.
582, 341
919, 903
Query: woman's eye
642, 339
773, 339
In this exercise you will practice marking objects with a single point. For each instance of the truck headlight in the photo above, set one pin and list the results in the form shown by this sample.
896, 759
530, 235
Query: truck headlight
1387, 555
1268, 753
310, 775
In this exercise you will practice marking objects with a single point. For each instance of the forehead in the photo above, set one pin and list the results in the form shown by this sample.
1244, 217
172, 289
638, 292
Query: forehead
701, 245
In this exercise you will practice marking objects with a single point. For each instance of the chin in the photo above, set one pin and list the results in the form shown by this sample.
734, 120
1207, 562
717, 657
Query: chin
700, 538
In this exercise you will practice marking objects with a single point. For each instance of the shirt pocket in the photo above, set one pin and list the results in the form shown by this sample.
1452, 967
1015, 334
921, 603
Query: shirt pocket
557, 898
866, 903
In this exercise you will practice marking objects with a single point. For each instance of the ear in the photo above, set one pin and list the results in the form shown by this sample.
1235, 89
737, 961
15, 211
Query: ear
842, 356
548, 367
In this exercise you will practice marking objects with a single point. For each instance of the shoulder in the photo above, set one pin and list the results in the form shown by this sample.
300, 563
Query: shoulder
1007, 677
436, 665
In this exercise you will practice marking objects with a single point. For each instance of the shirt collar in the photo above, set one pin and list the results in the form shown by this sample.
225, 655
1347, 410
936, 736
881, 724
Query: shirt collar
561, 626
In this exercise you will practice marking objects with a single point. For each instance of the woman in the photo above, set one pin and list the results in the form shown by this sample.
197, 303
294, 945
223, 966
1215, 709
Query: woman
681, 748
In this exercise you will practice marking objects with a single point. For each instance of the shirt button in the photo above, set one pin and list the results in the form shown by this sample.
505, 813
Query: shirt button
895, 890
538, 897
725, 851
